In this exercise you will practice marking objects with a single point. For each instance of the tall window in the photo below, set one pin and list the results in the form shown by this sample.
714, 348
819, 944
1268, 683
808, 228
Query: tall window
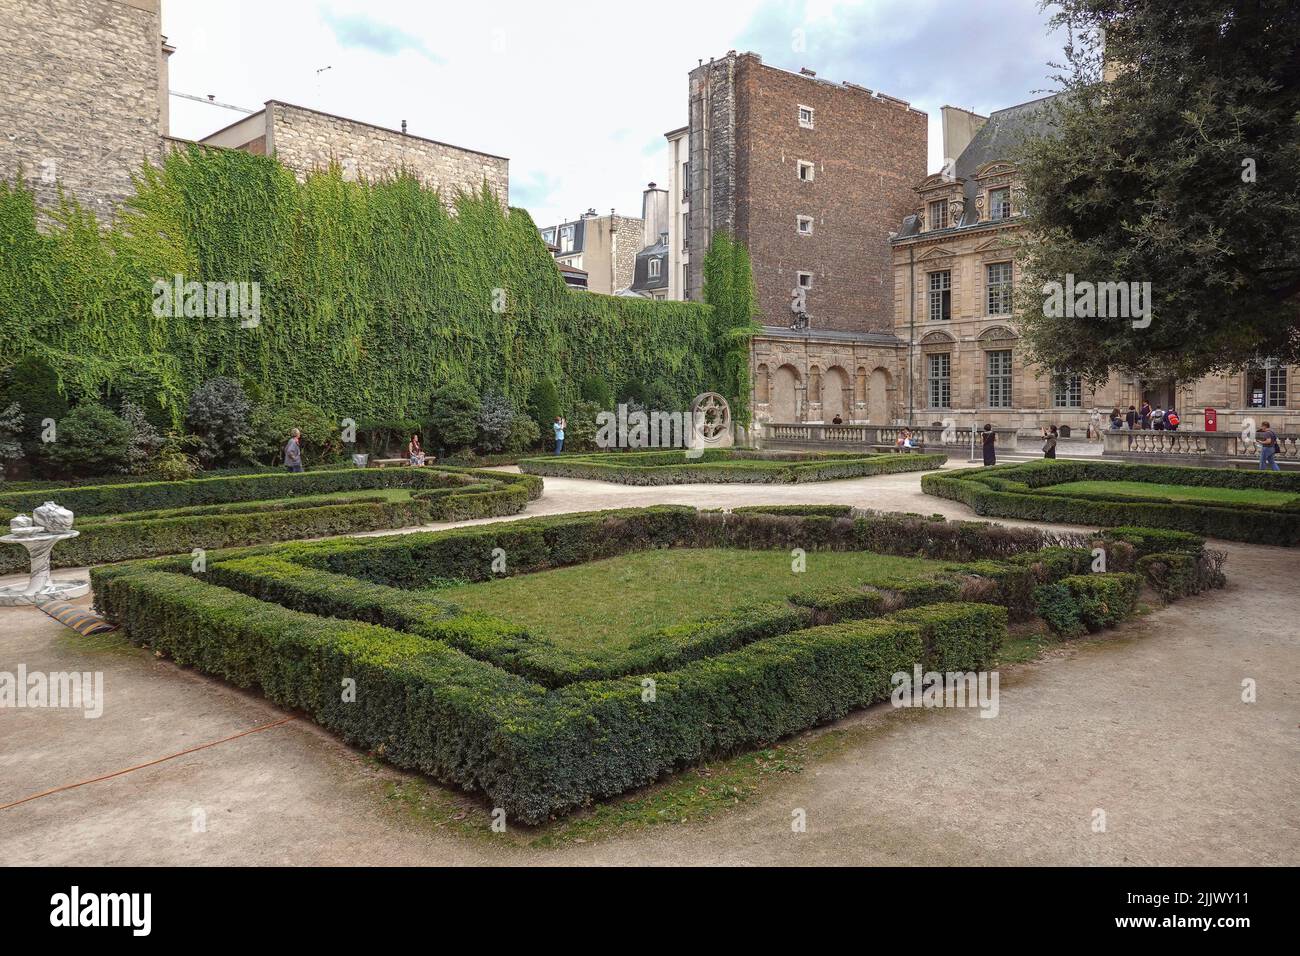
686, 182
999, 378
566, 238
940, 296
999, 288
939, 214
999, 203
686, 234
655, 265
1067, 391
807, 171
940, 379
1266, 386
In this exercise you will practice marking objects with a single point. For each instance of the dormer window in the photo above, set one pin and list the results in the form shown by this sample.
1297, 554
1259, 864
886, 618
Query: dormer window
806, 117
1000, 203
655, 265
939, 214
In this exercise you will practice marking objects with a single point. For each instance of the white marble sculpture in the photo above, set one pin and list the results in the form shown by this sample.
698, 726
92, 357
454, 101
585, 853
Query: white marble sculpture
48, 525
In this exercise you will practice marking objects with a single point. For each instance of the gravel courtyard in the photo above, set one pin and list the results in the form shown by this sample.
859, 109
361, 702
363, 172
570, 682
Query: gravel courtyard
1146, 724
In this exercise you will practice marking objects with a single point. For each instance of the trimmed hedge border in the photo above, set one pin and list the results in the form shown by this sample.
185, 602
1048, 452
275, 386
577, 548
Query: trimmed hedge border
480, 703
1008, 491
721, 466
212, 513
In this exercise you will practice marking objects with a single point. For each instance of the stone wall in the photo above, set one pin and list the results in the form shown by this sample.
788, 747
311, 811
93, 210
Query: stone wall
305, 139
811, 378
81, 103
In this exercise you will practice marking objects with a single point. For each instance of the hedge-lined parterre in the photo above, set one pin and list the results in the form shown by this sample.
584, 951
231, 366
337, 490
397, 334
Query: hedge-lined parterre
479, 701
126, 520
1028, 491
726, 465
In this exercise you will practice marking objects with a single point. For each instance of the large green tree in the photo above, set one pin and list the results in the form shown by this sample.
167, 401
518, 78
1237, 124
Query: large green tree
1175, 161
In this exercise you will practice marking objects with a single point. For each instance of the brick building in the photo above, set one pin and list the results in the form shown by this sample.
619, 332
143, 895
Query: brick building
812, 176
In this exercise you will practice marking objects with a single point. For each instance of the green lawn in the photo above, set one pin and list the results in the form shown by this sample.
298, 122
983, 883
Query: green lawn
608, 604
1142, 489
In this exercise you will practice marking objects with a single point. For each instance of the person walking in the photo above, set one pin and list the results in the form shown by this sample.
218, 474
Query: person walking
1267, 439
988, 438
1158, 420
1172, 421
1131, 418
1049, 442
1145, 414
293, 452
558, 428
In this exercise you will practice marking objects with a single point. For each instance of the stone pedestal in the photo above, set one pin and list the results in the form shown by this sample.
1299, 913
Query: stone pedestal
39, 587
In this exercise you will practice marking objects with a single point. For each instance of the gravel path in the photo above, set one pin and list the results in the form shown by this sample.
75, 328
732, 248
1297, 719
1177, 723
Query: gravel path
1147, 725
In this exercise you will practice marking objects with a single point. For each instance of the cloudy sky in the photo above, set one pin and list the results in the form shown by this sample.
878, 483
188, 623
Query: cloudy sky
579, 94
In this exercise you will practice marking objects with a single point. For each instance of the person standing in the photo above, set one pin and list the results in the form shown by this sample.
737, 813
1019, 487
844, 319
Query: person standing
1158, 420
1267, 439
1131, 418
988, 439
1049, 443
1116, 419
558, 428
293, 452
1145, 414
1172, 421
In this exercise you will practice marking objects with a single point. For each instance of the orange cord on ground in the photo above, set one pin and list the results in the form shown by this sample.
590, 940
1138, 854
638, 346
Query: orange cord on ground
109, 776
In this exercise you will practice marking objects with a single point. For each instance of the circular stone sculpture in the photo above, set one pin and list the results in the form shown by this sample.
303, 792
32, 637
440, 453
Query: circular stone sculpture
48, 525
711, 422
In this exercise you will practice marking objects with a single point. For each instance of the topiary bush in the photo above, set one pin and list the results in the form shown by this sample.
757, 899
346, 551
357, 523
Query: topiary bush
146, 440
524, 434
496, 422
544, 404
90, 441
453, 416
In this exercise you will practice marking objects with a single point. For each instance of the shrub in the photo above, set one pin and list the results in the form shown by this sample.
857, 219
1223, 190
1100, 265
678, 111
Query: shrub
146, 441
580, 430
713, 465
596, 390
11, 432
453, 416
524, 434
322, 439
175, 460
32, 382
544, 404
220, 414
90, 441
1090, 602
496, 421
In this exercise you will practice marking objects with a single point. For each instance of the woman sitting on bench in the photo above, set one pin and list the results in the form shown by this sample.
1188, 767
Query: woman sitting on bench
414, 453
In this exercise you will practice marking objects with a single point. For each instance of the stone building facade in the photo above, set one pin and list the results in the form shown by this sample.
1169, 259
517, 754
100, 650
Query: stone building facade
955, 274
306, 139
85, 96
605, 246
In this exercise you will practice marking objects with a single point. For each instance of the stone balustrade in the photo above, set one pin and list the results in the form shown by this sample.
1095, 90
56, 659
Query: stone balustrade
1193, 447
793, 434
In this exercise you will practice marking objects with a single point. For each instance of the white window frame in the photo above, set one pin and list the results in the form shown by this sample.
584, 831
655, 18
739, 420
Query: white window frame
801, 276
800, 222
654, 266
1001, 210
812, 117
800, 166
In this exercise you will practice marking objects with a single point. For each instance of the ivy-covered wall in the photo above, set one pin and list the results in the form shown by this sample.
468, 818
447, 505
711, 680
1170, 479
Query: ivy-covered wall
371, 294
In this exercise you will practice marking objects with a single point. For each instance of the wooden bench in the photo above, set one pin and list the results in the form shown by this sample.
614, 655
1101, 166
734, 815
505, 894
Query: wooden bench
397, 462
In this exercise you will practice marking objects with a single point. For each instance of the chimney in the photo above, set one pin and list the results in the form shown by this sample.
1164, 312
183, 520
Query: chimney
403, 127
807, 72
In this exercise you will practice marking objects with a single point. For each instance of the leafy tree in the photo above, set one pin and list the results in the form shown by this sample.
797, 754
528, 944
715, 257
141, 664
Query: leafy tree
729, 288
544, 404
580, 432
32, 383
524, 434
453, 416
221, 414
90, 442
1178, 170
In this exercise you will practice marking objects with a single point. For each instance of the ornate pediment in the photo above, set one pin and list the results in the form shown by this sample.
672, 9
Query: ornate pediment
937, 338
996, 244
938, 252
997, 335
938, 183
994, 169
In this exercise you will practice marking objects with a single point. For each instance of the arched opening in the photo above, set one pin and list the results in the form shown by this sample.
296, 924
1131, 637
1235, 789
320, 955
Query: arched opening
784, 395
835, 394
878, 397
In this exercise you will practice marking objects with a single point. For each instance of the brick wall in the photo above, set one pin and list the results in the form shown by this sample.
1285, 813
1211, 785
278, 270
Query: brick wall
81, 96
868, 152
304, 139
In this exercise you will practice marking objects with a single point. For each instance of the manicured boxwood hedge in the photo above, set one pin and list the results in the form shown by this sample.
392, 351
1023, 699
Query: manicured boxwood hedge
479, 702
718, 466
1009, 491
178, 516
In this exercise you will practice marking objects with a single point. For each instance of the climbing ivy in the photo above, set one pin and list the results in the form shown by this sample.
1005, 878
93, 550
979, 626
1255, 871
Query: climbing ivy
729, 290
372, 294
